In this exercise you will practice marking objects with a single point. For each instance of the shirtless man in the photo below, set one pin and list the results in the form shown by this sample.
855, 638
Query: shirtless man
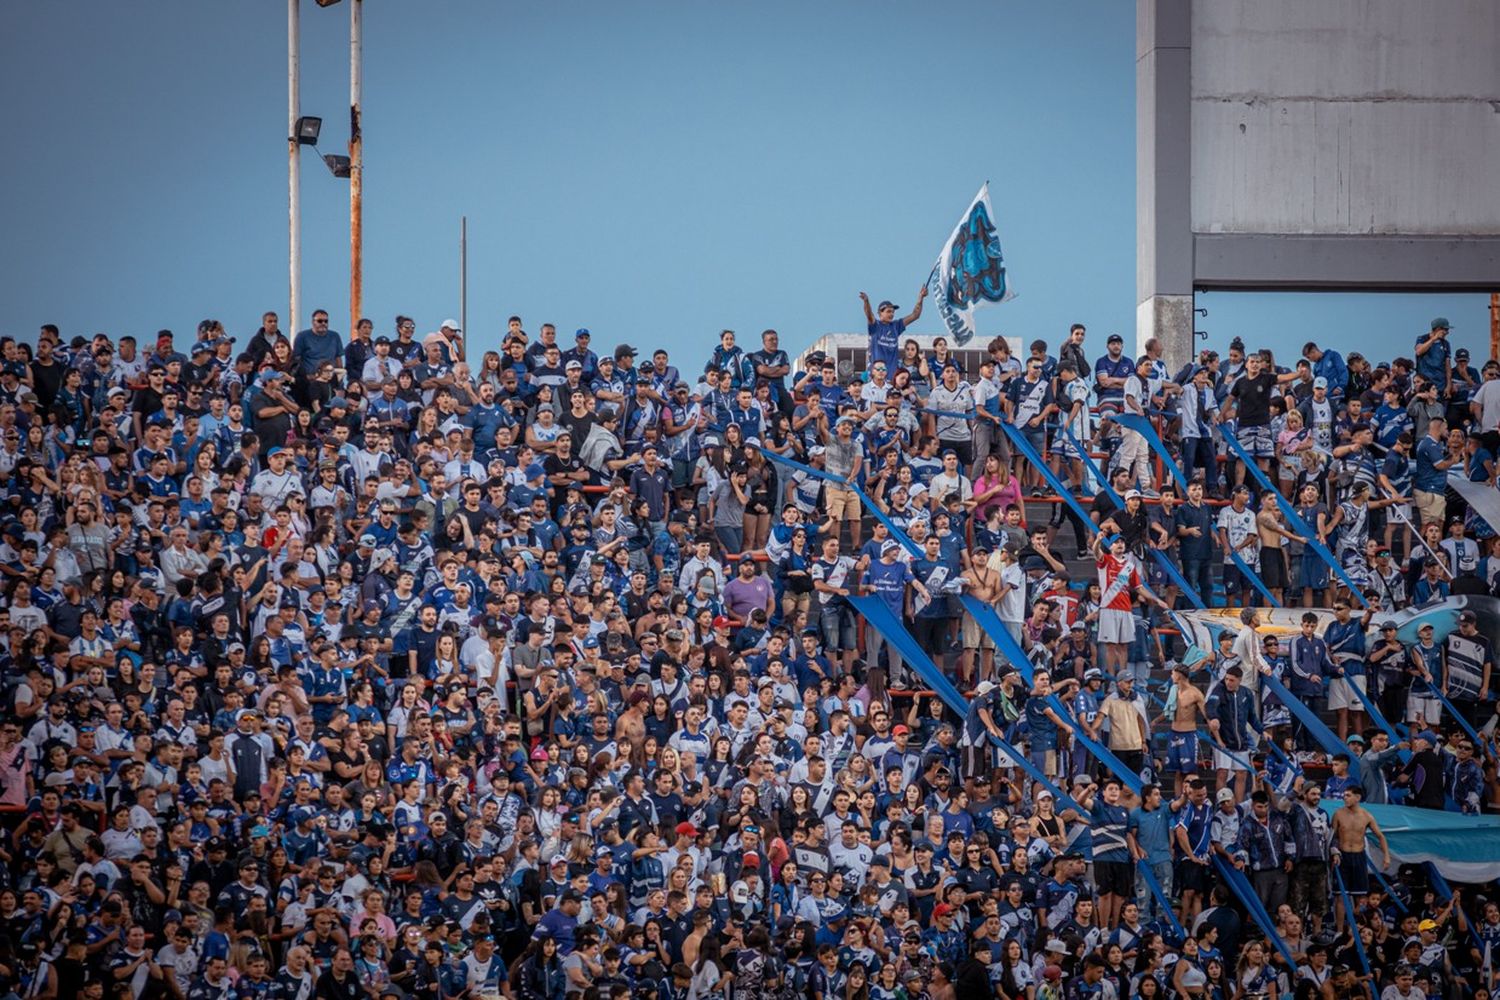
1350, 825
980, 581
1182, 741
1273, 572
632, 722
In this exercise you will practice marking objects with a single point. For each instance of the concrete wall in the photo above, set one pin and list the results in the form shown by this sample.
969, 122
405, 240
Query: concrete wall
1313, 144
1346, 117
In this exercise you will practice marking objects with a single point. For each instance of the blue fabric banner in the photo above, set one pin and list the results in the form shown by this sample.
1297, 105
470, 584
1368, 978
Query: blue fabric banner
1241, 887
1160, 557
829, 477
1149, 877
1170, 568
880, 618
1373, 711
1142, 426
990, 623
1463, 722
1088, 463
1293, 518
1037, 462
1255, 580
1309, 719
1353, 924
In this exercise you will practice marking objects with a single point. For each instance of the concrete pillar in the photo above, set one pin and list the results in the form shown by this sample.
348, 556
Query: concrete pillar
1163, 147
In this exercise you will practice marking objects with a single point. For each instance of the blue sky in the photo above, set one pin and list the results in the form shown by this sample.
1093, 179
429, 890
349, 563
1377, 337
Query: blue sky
655, 172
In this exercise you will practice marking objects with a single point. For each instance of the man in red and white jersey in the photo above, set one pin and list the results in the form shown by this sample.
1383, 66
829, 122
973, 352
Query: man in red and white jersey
1119, 582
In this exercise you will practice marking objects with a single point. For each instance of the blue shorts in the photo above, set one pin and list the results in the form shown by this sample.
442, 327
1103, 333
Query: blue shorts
1182, 753
1314, 571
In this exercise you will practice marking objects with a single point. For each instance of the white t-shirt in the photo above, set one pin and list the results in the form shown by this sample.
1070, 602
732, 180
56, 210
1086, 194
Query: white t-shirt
1012, 606
1488, 398
1238, 526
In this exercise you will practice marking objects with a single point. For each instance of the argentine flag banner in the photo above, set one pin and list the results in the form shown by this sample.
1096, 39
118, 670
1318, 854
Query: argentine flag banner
970, 270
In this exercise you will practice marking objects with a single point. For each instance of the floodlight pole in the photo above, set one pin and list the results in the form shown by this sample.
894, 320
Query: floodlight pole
356, 166
463, 273
293, 181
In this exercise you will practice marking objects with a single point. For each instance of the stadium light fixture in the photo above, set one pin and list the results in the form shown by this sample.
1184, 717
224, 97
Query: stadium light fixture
307, 129
338, 165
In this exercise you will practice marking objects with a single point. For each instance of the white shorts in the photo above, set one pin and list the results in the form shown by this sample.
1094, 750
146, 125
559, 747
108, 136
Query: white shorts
1430, 709
1341, 693
1116, 626
1239, 762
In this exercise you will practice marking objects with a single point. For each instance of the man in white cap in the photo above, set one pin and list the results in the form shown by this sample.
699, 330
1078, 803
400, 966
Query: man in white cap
449, 338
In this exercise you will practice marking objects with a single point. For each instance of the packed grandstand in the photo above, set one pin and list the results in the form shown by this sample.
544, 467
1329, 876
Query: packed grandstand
372, 668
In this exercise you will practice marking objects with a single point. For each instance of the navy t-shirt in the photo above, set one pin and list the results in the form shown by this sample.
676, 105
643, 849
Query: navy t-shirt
885, 339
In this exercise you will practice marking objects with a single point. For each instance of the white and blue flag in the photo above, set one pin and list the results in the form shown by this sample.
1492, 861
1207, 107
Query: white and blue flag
970, 270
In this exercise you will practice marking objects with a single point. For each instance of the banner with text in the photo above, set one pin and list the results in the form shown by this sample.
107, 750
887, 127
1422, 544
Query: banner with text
970, 270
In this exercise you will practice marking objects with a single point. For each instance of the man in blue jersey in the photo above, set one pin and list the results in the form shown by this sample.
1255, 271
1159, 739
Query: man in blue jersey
886, 330
1109, 811
1191, 834
888, 577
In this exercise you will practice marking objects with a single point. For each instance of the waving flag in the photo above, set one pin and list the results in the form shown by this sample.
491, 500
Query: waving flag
970, 270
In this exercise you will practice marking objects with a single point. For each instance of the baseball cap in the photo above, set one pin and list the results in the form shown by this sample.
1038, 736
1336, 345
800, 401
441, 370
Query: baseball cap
451, 324
1114, 338
900, 731
1427, 925
1225, 795
1320, 383
1441, 323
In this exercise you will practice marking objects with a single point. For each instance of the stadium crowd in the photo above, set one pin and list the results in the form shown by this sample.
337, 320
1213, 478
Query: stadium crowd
341, 668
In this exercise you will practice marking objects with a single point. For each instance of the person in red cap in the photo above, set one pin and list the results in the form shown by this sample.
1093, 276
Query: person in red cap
686, 843
945, 940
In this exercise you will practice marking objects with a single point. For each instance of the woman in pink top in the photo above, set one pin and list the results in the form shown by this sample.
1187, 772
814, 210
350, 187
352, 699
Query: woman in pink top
996, 489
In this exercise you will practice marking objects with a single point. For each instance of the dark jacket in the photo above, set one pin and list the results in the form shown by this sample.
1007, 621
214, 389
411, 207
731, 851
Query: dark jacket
1236, 713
